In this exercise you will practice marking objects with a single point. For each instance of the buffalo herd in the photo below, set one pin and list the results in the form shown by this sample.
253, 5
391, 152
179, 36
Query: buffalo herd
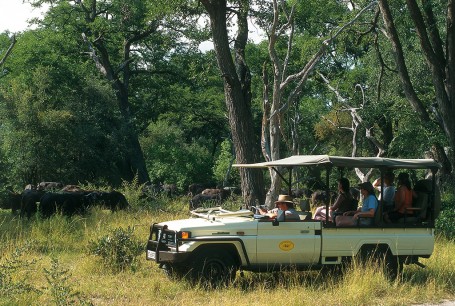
48, 198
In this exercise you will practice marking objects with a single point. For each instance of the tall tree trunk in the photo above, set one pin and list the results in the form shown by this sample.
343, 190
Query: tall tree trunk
237, 96
442, 69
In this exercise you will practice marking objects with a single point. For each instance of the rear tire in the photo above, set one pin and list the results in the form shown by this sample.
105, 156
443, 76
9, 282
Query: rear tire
392, 266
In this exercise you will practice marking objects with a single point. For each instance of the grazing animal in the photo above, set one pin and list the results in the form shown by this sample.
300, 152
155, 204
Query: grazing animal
112, 200
11, 200
199, 199
194, 189
68, 203
29, 200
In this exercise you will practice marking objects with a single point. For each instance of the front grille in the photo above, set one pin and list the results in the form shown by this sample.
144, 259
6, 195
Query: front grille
166, 237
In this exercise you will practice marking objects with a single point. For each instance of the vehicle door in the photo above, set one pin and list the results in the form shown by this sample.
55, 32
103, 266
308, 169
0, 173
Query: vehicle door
291, 242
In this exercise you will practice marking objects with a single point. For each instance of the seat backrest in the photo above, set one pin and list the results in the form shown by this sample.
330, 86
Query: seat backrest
378, 214
421, 202
426, 186
304, 215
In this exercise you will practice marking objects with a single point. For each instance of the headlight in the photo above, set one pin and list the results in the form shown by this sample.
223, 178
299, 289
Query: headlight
185, 235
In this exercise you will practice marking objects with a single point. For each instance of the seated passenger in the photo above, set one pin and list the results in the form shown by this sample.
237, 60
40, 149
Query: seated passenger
403, 199
389, 191
342, 204
364, 215
283, 207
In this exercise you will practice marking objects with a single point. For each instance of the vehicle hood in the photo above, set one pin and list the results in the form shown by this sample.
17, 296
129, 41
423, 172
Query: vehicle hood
214, 226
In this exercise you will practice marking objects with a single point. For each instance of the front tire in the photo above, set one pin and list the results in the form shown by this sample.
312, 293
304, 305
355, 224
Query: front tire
213, 268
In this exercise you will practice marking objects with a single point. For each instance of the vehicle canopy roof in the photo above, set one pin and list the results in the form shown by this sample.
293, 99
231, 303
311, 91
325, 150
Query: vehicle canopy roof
350, 162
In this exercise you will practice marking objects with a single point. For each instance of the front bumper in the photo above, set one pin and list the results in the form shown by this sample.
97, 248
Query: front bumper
161, 256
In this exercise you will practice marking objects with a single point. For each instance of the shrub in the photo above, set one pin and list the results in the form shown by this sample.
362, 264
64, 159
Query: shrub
118, 250
10, 266
445, 224
59, 288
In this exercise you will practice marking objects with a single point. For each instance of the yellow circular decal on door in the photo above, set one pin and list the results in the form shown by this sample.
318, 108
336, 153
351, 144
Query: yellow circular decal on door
286, 245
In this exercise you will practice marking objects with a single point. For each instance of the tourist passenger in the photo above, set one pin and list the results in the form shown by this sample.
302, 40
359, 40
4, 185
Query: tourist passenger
387, 193
284, 208
364, 215
404, 196
343, 203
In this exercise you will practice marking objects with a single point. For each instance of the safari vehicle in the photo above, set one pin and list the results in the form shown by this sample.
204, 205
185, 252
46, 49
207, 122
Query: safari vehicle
214, 243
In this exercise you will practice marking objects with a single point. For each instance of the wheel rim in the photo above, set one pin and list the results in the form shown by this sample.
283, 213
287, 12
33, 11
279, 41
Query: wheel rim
215, 271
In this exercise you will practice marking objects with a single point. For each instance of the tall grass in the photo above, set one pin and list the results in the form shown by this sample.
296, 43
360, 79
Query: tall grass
54, 267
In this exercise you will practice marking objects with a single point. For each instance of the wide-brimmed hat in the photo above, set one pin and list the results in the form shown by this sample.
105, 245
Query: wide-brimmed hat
367, 186
284, 198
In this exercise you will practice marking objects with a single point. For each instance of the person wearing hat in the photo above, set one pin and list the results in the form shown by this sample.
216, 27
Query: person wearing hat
364, 215
284, 205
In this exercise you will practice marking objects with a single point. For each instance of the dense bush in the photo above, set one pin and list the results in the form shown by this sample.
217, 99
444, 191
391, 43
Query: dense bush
118, 250
445, 224
10, 284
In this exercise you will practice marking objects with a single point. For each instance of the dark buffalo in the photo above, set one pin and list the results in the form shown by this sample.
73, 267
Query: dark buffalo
194, 189
113, 200
68, 203
29, 201
215, 197
11, 200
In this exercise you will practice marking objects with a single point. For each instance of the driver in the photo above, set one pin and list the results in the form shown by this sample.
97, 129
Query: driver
284, 205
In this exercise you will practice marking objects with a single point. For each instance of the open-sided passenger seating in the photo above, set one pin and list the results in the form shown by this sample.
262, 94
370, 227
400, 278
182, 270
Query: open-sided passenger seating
421, 204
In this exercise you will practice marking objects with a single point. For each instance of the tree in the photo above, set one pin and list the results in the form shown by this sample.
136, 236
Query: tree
8, 51
288, 81
113, 34
440, 58
59, 120
237, 86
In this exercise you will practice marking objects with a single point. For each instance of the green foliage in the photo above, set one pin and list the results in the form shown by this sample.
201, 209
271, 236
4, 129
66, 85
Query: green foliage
170, 159
61, 291
59, 122
222, 170
445, 224
10, 266
118, 250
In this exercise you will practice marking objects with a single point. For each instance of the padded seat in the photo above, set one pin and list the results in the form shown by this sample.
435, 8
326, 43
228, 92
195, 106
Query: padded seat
304, 215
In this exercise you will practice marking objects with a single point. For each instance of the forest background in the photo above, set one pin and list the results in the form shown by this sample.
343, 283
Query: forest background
118, 94
105, 91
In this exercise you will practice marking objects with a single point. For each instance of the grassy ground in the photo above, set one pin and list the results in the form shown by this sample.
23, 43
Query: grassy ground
47, 262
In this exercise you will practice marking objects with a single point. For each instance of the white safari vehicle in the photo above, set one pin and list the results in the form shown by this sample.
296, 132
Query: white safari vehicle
215, 243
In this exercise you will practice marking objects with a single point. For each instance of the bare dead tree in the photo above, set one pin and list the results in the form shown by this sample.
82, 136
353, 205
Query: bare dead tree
356, 124
274, 103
